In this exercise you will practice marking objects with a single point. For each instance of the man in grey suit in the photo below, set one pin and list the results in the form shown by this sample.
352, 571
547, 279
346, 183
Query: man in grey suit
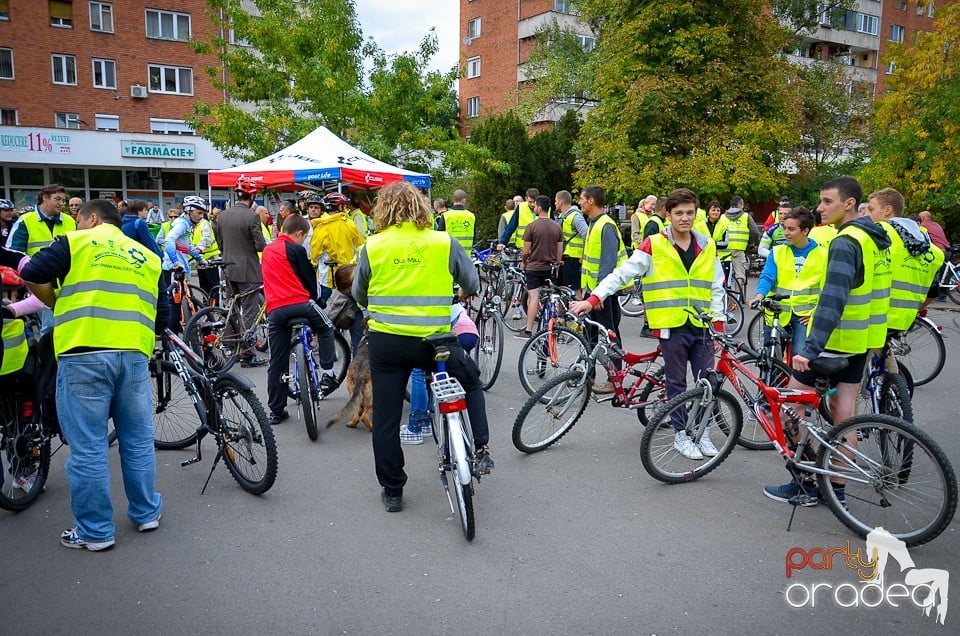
241, 240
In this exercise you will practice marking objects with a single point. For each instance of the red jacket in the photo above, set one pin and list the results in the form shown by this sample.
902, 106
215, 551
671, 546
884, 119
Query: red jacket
288, 276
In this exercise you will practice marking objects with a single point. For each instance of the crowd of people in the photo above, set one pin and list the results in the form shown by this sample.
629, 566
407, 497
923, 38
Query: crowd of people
100, 274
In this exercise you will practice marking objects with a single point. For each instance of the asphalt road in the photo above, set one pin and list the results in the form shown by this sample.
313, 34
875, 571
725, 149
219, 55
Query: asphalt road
574, 540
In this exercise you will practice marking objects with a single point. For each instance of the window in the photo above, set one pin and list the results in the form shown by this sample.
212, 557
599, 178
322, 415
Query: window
563, 6
473, 67
890, 68
473, 107
8, 117
919, 8
473, 28
166, 25
64, 69
66, 120
869, 24
107, 122
587, 42
61, 14
104, 74
237, 40
170, 127
101, 17
4, 9
896, 33
929, 9
170, 79
903, 6
6, 64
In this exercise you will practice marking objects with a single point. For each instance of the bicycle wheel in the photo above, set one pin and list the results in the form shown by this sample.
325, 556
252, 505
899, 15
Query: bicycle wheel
907, 375
775, 374
923, 349
548, 353
643, 412
721, 419
463, 492
245, 436
631, 303
226, 330
894, 475
549, 413
488, 354
895, 397
305, 399
176, 417
199, 296
755, 332
953, 292
515, 313
734, 315
24, 456
341, 357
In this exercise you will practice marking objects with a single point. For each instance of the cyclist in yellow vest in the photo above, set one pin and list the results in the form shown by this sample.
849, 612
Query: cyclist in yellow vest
640, 218
741, 230
360, 217
851, 311
658, 219
795, 269
522, 217
172, 215
681, 274
105, 313
404, 277
13, 353
509, 206
205, 242
574, 228
458, 221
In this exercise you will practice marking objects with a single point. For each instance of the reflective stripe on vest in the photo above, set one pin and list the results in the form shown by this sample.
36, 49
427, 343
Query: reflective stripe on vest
15, 346
213, 250
912, 277
411, 287
593, 248
803, 287
109, 296
572, 241
670, 290
459, 224
738, 233
524, 218
38, 232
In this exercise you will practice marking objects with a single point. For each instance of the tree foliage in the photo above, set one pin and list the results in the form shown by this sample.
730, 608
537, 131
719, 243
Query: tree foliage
915, 147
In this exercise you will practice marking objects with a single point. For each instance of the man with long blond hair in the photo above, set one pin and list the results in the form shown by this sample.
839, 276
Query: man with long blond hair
405, 278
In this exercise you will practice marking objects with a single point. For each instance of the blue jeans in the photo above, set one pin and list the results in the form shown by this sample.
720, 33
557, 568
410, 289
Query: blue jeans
419, 401
91, 389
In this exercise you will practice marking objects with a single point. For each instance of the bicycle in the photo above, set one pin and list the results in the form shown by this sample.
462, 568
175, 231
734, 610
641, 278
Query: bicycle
186, 299
883, 391
922, 347
219, 295
514, 300
488, 354
230, 411
561, 401
631, 300
557, 345
733, 299
454, 437
949, 279
306, 387
224, 326
887, 472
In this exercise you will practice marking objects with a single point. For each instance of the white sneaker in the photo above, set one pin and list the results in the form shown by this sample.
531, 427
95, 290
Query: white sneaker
685, 445
409, 437
706, 445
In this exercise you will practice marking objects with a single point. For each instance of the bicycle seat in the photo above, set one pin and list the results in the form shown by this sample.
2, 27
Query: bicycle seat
829, 366
297, 322
441, 339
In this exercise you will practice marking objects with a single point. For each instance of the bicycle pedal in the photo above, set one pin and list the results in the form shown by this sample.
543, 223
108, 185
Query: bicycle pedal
189, 462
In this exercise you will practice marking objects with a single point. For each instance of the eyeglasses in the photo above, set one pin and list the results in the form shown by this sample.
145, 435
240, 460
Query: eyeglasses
172, 216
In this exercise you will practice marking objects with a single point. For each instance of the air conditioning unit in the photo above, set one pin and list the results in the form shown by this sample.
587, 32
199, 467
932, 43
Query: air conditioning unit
153, 173
138, 92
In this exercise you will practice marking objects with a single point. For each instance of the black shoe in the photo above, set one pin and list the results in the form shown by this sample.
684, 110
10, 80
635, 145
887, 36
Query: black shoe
252, 362
484, 461
276, 418
328, 384
390, 502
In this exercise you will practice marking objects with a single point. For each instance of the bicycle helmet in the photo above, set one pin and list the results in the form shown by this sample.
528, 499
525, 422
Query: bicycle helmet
313, 197
193, 202
246, 185
6, 204
335, 201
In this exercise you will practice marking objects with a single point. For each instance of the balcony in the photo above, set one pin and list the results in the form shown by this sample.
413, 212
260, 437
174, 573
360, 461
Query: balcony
527, 28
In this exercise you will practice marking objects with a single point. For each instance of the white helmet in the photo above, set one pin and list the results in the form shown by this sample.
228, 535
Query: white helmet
193, 202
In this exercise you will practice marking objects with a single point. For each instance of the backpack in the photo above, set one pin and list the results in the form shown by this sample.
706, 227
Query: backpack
341, 309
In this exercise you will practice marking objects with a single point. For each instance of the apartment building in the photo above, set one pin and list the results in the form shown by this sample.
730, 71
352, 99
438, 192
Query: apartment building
94, 95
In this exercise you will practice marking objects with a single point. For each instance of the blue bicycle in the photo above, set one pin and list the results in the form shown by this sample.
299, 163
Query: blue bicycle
305, 382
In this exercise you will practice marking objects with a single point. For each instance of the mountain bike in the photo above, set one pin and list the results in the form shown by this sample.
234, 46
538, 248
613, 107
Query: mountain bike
922, 347
220, 295
305, 385
555, 407
631, 300
186, 299
456, 458
556, 345
488, 354
514, 300
734, 296
872, 470
223, 326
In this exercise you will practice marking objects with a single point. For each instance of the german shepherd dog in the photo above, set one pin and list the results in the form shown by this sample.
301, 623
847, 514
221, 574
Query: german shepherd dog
360, 405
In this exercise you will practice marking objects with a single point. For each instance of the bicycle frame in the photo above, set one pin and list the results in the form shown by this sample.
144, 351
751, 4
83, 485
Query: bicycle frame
303, 337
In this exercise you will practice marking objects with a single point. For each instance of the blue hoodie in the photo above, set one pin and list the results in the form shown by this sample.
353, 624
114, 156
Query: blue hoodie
136, 228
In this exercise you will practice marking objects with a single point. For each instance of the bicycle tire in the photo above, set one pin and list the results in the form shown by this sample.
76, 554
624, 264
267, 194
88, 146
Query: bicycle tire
561, 401
752, 435
922, 347
198, 295
734, 315
920, 483
953, 292
463, 493
548, 353
305, 399
229, 340
515, 311
895, 397
907, 375
488, 354
631, 303
755, 332
657, 452
341, 357
173, 409
24, 452
644, 396
248, 443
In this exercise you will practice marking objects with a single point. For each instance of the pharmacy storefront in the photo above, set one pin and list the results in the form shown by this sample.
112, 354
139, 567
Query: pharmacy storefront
114, 165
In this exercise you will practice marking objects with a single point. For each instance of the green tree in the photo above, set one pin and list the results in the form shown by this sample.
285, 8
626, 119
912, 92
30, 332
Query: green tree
505, 137
916, 127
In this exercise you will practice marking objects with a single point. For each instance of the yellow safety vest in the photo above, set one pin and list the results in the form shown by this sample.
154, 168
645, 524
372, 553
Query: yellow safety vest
719, 231
590, 272
660, 222
38, 232
823, 234
738, 233
863, 323
15, 346
671, 289
912, 277
802, 287
459, 224
213, 250
572, 241
525, 217
364, 224
642, 219
411, 286
109, 297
